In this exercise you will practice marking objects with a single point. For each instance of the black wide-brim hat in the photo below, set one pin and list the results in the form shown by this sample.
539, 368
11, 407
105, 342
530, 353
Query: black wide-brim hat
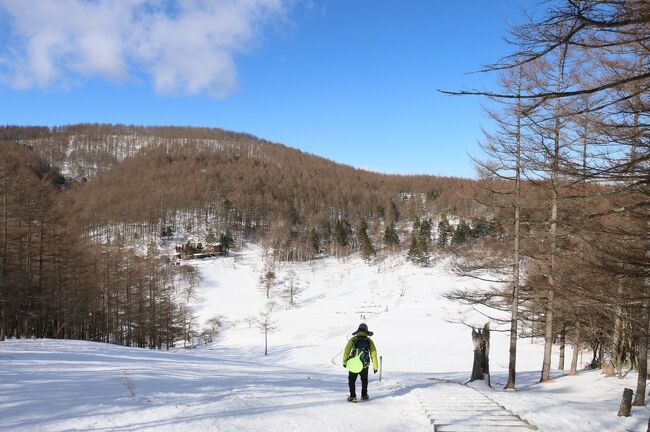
363, 328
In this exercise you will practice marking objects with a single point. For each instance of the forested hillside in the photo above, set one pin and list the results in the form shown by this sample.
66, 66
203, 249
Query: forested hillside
88, 210
57, 283
197, 181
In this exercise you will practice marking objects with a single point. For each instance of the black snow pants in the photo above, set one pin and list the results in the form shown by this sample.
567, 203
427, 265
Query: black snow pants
352, 382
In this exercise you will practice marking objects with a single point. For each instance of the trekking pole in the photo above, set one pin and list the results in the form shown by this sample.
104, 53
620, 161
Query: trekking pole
381, 361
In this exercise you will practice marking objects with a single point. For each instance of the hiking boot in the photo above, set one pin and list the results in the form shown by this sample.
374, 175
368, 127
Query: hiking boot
352, 398
365, 397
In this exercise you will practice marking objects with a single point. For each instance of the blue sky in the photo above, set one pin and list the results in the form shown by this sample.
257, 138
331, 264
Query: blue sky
353, 81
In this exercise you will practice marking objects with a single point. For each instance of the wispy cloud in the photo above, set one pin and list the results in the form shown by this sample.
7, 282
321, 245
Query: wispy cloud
184, 46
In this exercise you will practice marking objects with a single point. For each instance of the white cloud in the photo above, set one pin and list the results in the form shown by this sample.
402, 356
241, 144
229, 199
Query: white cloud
184, 46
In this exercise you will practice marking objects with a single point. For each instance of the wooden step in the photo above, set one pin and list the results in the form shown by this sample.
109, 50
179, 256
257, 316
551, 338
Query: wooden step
453, 407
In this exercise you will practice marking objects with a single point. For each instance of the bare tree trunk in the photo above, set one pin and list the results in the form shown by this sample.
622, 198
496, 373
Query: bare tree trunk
639, 398
512, 359
108, 295
3, 322
481, 365
5, 247
576, 350
5, 256
618, 332
548, 331
560, 365
128, 306
601, 352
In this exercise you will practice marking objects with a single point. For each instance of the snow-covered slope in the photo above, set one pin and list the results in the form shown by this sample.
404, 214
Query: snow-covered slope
301, 385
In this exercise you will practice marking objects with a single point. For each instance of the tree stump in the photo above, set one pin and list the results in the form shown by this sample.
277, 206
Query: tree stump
481, 366
626, 403
609, 368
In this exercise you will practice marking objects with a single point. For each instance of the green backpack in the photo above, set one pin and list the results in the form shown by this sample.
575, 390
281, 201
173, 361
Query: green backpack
359, 355
354, 364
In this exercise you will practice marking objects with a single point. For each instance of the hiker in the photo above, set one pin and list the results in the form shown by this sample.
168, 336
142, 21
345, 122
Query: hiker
357, 355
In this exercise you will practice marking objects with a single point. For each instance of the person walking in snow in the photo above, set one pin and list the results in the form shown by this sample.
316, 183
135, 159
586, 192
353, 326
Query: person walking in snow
357, 355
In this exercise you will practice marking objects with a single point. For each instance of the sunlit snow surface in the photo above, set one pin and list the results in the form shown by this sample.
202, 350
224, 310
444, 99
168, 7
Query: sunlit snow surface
52, 385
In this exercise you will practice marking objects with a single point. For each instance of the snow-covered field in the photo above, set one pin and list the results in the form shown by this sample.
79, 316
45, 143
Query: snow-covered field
300, 385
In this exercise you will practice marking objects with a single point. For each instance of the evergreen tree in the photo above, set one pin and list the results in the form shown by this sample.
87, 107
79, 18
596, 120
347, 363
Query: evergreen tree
166, 232
315, 241
425, 229
415, 253
425, 234
462, 233
326, 237
227, 242
416, 224
444, 231
481, 228
424, 247
391, 239
341, 232
367, 250
292, 215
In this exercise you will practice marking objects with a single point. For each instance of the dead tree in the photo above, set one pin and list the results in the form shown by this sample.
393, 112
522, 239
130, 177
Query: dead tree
266, 325
481, 366
626, 403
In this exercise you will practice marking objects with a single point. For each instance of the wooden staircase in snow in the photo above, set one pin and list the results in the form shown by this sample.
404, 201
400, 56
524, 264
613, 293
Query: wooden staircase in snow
453, 407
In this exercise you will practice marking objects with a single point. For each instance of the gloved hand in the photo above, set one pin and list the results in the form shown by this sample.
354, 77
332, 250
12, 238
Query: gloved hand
374, 371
